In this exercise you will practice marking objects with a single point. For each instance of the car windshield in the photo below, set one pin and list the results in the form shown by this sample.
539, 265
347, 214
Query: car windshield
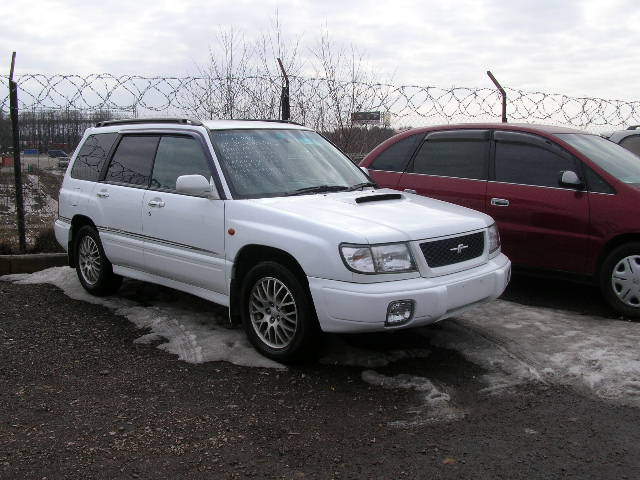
611, 157
276, 162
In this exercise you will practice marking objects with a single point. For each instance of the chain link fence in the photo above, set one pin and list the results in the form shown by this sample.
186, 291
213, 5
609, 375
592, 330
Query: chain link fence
56, 109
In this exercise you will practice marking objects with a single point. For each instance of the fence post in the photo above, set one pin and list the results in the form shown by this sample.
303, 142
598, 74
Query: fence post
503, 93
17, 171
284, 97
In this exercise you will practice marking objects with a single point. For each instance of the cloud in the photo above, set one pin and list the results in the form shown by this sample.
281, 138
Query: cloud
572, 47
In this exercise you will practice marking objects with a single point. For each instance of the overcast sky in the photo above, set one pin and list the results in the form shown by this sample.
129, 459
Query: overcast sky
579, 48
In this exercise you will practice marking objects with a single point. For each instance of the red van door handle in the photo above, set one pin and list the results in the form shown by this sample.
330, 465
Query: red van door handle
499, 202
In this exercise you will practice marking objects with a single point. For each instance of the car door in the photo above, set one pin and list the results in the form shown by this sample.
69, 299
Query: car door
542, 223
119, 199
184, 234
452, 166
387, 167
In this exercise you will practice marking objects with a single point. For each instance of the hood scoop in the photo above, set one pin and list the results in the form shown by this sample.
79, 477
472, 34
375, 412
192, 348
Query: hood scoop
379, 198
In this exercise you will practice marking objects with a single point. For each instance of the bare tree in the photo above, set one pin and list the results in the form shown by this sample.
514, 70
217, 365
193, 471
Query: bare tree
347, 81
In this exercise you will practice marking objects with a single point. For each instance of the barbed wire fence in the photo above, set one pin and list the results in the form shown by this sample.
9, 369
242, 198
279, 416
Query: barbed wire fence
56, 109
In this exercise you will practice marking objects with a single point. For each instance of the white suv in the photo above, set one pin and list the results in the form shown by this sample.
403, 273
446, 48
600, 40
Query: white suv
273, 221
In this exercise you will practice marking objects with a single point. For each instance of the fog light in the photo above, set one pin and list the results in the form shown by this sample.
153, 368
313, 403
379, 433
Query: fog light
399, 312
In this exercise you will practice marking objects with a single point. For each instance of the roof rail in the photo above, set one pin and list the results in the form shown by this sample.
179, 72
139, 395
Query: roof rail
633, 127
133, 121
274, 120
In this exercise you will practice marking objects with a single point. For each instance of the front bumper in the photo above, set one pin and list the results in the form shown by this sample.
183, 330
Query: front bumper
362, 307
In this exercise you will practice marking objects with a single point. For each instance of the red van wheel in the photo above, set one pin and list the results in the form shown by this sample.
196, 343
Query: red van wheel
620, 279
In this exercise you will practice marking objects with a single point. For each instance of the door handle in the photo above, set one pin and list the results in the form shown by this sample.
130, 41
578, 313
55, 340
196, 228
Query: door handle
102, 194
499, 202
156, 203
410, 190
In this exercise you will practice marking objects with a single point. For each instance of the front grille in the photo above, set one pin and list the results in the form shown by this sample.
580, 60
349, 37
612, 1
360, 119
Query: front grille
453, 250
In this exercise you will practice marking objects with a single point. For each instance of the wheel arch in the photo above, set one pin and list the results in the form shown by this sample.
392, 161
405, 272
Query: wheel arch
611, 245
77, 222
245, 259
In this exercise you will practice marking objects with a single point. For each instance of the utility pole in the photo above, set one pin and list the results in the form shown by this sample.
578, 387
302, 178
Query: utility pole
284, 96
17, 171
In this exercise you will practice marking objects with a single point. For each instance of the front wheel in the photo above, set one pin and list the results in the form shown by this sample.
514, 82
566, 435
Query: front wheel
92, 266
620, 279
277, 313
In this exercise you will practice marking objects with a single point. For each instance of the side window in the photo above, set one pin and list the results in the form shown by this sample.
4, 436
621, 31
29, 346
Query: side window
595, 183
132, 160
178, 156
396, 157
91, 157
459, 158
632, 144
529, 164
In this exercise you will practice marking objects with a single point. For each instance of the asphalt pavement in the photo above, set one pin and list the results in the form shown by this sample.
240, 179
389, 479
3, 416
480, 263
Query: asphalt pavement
80, 399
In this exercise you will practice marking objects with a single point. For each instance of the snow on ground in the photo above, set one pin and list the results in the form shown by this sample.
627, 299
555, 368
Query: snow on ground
194, 336
516, 344
432, 396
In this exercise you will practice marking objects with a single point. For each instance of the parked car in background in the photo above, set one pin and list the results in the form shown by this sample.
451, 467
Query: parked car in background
563, 199
63, 162
57, 153
273, 221
629, 138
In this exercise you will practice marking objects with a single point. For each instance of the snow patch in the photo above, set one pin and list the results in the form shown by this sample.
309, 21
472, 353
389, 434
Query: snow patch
518, 343
436, 400
194, 337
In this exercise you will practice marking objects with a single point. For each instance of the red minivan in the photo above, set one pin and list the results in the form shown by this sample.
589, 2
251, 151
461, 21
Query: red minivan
563, 199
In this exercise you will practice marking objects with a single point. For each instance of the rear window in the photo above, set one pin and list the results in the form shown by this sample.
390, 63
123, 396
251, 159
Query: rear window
92, 156
396, 157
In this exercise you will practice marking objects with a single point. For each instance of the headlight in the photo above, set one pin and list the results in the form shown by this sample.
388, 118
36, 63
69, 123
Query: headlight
384, 258
494, 239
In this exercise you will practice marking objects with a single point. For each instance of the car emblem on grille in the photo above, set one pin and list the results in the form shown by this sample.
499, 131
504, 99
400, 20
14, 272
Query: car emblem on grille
459, 248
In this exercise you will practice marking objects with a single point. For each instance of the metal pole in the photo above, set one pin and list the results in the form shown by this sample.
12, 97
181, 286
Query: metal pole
503, 93
17, 171
284, 97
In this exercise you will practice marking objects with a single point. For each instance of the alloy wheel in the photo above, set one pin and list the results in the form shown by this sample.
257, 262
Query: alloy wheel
89, 260
273, 312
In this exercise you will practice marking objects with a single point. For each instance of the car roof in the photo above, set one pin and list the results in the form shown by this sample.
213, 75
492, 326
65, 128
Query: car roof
247, 124
210, 124
620, 135
522, 127
544, 130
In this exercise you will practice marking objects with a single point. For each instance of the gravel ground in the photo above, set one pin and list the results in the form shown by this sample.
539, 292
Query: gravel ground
80, 399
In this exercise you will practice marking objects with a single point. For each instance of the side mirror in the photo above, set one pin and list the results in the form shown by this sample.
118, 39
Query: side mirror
365, 170
196, 185
569, 178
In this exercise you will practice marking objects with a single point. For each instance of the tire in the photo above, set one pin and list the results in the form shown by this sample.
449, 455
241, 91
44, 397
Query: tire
94, 270
277, 313
620, 279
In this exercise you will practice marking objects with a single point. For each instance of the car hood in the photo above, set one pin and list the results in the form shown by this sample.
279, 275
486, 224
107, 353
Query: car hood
382, 215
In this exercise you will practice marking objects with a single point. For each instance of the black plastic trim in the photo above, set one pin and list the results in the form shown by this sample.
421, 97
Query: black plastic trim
137, 121
379, 197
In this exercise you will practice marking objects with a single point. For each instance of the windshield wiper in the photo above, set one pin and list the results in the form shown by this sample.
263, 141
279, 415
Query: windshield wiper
317, 189
362, 185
